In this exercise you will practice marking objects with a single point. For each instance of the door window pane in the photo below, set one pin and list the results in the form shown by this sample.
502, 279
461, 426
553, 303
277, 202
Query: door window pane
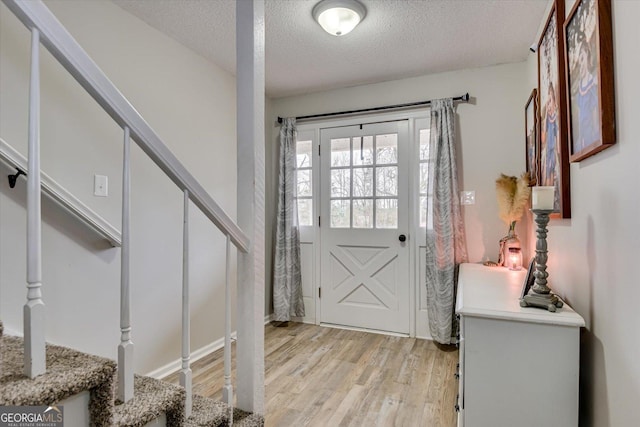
340, 182
386, 149
362, 213
340, 152
305, 212
303, 180
362, 182
425, 199
363, 179
363, 150
387, 181
424, 143
423, 211
426, 203
424, 172
303, 154
387, 213
340, 213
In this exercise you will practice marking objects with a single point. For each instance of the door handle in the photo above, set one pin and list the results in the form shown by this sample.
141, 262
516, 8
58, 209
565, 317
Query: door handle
402, 238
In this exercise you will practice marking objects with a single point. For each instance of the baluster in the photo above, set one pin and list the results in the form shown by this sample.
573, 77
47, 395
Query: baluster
227, 390
34, 316
125, 349
186, 374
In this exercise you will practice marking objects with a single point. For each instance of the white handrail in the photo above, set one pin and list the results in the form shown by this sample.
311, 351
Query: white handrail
61, 196
53, 35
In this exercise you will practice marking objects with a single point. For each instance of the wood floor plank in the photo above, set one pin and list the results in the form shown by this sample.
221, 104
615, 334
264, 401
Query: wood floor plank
319, 376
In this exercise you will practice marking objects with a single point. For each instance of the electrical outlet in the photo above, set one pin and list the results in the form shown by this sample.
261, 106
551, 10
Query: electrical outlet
100, 186
467, 197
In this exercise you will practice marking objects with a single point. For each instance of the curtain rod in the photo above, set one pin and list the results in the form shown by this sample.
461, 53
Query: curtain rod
463, 98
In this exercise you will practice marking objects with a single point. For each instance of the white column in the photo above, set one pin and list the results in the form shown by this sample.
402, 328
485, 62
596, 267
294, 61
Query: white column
34, 316
251, 210
227, 389
125, 349
186, 374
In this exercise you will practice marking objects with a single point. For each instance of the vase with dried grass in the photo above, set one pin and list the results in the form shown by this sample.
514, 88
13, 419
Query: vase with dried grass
512, 194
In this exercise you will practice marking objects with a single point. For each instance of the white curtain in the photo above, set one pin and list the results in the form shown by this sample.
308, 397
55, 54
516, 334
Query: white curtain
287, 280
446, 246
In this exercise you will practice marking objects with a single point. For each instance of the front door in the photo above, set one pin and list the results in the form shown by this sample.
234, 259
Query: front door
364, 226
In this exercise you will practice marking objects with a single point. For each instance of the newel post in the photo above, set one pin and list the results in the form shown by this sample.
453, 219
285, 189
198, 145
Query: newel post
251, 204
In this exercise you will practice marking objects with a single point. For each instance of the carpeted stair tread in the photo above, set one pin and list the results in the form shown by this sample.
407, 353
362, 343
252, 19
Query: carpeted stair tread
152, 398
68, 372
207, 413
247, 419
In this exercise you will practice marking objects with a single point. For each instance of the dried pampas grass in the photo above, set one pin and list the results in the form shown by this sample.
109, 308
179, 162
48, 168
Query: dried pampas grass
513, 194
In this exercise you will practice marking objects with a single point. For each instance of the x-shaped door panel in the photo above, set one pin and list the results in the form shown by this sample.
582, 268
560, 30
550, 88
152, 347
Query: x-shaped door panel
371, 283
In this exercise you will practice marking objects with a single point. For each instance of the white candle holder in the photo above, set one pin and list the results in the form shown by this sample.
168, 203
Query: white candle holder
543, 198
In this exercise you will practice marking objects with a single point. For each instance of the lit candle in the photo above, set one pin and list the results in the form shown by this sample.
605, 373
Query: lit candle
542, 198
515, 259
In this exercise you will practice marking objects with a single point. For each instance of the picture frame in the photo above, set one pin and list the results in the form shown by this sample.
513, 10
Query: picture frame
529, 279
553, 153
531, 132
590, 81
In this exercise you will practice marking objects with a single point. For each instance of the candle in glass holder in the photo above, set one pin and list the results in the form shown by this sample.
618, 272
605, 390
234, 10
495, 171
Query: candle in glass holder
515, 259
542, 198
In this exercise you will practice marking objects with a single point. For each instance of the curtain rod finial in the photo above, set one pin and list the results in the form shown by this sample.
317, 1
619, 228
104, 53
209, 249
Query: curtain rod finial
279, 119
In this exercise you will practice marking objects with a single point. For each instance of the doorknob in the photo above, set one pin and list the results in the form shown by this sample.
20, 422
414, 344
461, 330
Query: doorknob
402, 237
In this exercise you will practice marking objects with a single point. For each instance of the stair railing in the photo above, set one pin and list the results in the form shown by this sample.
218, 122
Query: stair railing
48, 31
34, 319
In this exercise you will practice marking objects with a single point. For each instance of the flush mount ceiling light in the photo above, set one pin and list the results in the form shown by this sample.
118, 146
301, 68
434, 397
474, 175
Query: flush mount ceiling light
339, 17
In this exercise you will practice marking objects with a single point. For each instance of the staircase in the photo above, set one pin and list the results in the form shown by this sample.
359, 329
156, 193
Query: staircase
35, 373
70, 372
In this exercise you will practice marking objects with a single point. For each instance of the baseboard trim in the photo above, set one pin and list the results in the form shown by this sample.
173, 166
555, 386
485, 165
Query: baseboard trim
302, 320
176, 365
12, 332
196, 355
424, 337
373, 331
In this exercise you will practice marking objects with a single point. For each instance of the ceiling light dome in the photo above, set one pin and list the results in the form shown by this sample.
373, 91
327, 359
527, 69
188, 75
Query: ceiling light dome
339, 17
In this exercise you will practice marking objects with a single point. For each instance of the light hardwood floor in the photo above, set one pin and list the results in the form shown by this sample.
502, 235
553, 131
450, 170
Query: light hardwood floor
318, 376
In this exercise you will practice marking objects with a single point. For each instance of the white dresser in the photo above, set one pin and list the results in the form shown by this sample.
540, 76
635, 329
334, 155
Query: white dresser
519, 366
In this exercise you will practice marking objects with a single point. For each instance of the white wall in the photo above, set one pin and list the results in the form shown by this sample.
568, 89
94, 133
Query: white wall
191, 104
490, 130
593, 255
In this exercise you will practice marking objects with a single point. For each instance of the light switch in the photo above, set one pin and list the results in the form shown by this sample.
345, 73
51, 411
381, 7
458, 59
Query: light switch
100, 186
467, 197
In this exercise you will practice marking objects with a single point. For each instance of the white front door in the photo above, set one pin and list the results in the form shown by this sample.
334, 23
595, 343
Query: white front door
364, 226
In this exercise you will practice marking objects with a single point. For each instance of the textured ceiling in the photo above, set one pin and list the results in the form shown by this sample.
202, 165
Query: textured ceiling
397, 39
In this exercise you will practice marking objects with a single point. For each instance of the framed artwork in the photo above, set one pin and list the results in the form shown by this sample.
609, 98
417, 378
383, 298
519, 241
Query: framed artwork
531, 132
529, 279
589, 70
554, 155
